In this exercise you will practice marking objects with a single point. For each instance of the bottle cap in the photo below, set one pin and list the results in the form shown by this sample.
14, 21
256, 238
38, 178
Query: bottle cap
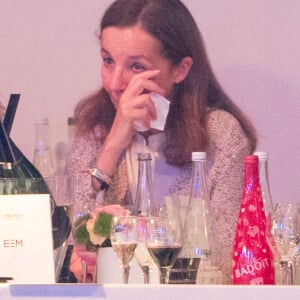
251, 159
41, 121
198, 155
261, 154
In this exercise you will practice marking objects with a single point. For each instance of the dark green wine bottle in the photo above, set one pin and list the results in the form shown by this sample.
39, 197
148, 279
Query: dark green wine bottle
19, 176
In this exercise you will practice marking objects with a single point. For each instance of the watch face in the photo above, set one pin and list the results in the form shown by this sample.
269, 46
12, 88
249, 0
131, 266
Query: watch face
104, 186
100, 177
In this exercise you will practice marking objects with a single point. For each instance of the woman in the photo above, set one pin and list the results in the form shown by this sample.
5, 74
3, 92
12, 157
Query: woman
155, 46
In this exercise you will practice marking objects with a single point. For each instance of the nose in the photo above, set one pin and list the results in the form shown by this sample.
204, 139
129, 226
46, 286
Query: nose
119, 80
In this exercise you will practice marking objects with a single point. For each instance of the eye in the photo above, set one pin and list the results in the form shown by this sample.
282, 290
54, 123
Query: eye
107, 61
138, 67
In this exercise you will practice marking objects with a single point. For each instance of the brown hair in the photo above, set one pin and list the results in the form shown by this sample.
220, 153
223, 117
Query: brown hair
171, 23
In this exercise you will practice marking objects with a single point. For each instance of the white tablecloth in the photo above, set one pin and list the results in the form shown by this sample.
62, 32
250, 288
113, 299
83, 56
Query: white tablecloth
147, 292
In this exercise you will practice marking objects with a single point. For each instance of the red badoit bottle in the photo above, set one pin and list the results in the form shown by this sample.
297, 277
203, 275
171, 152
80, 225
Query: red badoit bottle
252, 256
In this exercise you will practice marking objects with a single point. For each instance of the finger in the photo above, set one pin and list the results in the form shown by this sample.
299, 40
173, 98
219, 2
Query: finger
148, 74
144, 113
145, 102
144, 83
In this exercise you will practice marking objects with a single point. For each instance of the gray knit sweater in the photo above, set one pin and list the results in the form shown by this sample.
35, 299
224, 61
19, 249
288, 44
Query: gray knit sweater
228, 146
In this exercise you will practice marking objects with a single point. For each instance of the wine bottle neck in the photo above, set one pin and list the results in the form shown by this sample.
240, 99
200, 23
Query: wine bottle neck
251, 174
6, 153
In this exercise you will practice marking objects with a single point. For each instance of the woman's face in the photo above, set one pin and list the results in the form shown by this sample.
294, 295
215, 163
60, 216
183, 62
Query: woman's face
128, 51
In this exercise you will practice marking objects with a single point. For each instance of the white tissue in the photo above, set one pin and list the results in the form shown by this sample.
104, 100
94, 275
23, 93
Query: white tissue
162, 106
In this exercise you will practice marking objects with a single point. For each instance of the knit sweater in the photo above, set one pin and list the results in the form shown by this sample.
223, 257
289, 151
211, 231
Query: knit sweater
227, 148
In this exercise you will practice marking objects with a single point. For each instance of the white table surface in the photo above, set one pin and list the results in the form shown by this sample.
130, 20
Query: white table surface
147, 292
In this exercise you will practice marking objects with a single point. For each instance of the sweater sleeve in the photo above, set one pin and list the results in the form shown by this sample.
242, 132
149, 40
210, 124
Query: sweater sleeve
228, 147
82, 153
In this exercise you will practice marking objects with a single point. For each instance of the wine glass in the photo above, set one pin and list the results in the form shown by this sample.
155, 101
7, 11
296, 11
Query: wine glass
62, 191
286, 232
164, 243
124, 239
88, 264
141, 253
84, 250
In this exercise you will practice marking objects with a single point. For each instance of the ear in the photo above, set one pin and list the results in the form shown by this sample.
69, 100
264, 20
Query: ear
181, 70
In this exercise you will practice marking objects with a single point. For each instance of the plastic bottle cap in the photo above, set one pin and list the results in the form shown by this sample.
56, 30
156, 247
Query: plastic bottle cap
41, 121
261, 154
250, 159
198, 155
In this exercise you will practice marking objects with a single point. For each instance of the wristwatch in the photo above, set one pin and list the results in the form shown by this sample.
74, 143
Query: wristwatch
104, 180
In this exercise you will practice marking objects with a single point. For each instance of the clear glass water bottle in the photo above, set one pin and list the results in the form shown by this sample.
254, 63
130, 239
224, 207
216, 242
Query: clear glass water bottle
42, 157
199, 257
263, 158
144, 207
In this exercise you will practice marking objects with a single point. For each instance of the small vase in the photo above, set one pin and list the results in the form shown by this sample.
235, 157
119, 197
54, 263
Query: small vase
108, 268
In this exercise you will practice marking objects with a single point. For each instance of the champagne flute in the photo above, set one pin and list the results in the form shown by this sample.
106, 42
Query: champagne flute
88, 258
164, 243
82, 246
62, 191
286, 232
141, 253
86, 251
124, 239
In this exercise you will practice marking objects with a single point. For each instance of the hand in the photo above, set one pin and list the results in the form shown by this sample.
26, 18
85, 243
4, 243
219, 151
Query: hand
134, 104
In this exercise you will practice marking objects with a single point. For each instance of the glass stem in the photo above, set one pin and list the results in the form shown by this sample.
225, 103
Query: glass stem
164, 275
145, 270
94, 274
84, 270
287, 275
125, 274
